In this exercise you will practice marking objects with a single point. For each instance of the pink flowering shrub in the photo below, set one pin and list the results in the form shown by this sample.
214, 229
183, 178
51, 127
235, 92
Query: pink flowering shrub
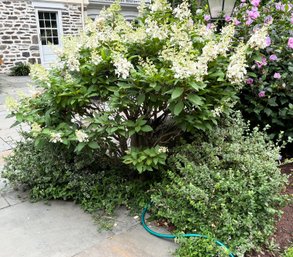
267, 97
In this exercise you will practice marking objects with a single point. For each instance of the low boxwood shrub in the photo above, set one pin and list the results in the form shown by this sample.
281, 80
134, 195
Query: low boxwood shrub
227, 183
92, 180
20, 69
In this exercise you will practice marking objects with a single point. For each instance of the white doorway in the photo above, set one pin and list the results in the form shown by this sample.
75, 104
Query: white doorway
49, 26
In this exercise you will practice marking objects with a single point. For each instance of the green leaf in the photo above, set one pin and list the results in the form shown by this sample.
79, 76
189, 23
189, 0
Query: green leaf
176, 93
146, 128
94, 145
178, 108
80, 146
195, 99
140, 99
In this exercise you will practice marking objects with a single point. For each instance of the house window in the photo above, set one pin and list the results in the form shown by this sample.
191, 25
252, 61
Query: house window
48, 27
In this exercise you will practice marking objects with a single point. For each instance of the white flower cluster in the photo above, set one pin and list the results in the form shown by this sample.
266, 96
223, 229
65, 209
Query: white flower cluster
163, 149
11, 104
226, 39
259, 39
71, 49
36, 128
81, 136
96, 59
160, 6
181, 38
217, 111
148, 67
153, 30
237, 67
182, 11
122, 65
55, 137
39, 73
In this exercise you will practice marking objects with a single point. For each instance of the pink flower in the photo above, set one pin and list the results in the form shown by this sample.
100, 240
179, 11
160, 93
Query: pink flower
277, 75
209, 25
249, 21
227, 18
268, 41
280, 6
243, 1
263, 62
236, 22
255, 2
253, 13
273, 57
262, 94
207, 17
249, 81
290, 42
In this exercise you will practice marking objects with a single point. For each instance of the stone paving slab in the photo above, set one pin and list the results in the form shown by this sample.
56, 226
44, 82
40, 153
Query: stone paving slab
38, 230
136, 242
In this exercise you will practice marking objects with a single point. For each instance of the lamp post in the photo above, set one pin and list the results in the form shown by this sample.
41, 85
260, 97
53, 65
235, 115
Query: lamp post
221, 8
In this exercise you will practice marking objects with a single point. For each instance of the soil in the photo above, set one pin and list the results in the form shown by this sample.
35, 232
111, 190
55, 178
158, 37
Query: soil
284, 227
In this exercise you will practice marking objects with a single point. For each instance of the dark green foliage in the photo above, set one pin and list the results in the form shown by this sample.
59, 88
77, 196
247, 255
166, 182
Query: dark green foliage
275, 107
20, 69
53, 172
228, 184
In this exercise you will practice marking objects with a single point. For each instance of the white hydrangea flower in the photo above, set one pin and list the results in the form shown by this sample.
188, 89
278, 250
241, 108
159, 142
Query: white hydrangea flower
153, 30
148, 67
96, 59
159, 5
39, 73
237, 67
182, 11
81, 136
11, 104
36, 128
259, 39
217, 111
55, 137
163, 149
122, 65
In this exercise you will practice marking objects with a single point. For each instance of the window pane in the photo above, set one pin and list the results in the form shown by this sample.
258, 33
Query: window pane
48, 32
43, 40
41, 15
42, 24
54, 24
55, 40
50, 40
48, 24
55, 32
53, 16
42, 32
47, 16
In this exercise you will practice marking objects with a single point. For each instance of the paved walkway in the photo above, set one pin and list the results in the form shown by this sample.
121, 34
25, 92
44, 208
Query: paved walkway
58, 228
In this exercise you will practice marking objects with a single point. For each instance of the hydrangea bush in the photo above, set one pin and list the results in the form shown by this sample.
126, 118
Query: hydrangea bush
267, 97
135, 88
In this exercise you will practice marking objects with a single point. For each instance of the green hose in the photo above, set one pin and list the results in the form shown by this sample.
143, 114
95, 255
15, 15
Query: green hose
170, 236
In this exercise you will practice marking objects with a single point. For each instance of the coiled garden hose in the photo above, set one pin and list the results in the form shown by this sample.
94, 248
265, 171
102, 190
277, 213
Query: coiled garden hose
170, 236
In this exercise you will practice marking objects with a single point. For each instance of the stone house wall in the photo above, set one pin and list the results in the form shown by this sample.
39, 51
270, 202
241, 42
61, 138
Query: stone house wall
19, 40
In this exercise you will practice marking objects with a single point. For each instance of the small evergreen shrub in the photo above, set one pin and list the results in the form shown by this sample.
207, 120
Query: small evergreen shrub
227, 183
53, 172
20, 69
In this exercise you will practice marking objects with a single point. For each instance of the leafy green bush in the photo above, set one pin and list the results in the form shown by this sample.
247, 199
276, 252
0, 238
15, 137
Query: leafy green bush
289, 252
227, 183
137, 87
53, 172
20, 69
268, 96
199, 247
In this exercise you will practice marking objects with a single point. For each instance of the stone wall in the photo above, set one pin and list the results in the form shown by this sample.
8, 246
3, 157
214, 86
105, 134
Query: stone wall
19, 34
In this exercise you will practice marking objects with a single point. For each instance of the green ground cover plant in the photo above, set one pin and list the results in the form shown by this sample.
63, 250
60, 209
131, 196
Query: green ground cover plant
20, 69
